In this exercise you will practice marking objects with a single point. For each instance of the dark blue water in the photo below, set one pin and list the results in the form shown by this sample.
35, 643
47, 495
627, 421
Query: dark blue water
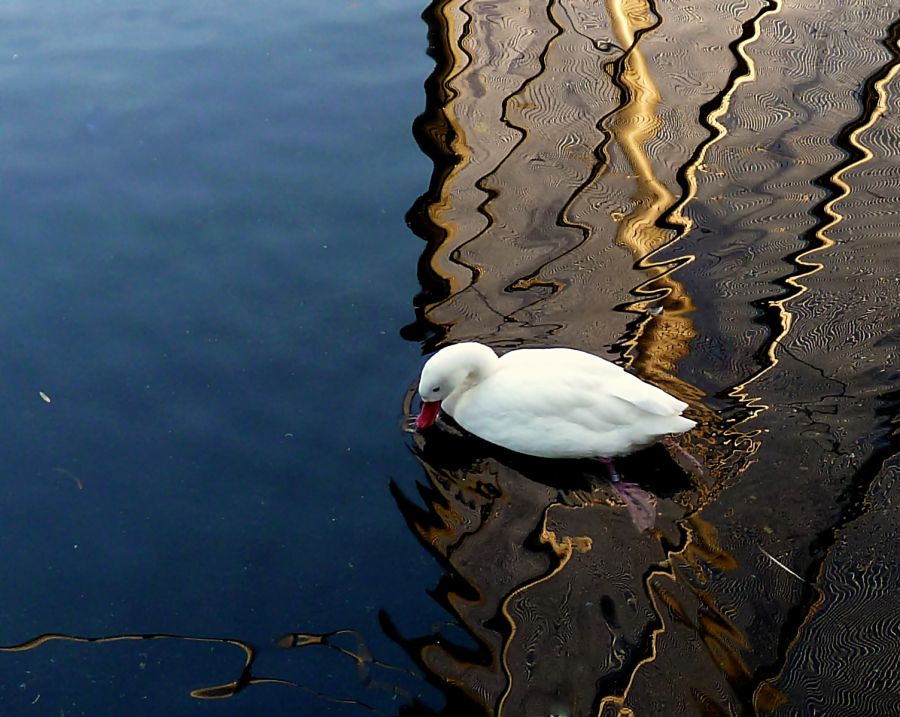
205, 267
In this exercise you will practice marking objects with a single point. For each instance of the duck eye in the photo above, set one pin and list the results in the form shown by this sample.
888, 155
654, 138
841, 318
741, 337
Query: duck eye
436, 389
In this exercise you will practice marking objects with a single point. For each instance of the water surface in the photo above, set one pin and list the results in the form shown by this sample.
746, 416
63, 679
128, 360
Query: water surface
205, 268
216, 295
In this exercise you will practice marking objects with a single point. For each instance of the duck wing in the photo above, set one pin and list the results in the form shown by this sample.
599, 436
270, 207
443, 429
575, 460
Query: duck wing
590, 369
645, 396
559, 359
564, 413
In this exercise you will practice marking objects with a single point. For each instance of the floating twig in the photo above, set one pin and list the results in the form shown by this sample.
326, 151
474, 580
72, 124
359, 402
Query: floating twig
71, 475
782, 565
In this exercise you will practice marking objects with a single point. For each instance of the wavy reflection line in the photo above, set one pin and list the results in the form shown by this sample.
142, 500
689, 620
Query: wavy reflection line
632, 122
438, 134
459, 61
874, 106
744, 72
720, 635
874, 102
563, 549
616, 69
674, 217
645, 333
484, 207
216, 692
449, 251
459, 67
666, 338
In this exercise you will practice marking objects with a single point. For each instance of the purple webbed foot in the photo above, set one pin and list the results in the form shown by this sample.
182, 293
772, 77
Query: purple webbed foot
687, 462
641, 506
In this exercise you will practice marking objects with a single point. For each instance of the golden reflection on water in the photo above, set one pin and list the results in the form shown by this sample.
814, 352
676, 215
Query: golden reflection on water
806, 265
576, 149
662, 340
229, 689
563, 548
358, 652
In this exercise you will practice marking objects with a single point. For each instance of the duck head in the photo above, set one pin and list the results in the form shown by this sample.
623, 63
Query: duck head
448, 373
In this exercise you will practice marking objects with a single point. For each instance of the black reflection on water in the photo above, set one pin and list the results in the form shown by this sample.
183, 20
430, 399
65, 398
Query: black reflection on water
671, 219
500, 502
456, 451
852, 498
435, 135
459, 468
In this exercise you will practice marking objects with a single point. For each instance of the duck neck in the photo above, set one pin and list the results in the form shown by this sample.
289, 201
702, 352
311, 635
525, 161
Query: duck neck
483, 363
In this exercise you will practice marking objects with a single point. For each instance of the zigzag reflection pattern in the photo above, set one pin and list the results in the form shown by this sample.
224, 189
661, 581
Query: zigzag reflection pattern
637, 176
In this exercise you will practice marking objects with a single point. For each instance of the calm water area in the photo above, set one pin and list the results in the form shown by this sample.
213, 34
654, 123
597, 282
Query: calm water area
231, 231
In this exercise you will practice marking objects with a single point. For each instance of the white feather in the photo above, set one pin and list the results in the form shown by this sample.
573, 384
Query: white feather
554, 403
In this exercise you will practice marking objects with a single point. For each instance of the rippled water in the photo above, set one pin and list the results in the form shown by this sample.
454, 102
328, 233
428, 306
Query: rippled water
208, 294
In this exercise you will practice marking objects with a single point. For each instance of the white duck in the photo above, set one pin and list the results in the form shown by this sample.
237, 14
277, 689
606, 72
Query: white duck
552, 402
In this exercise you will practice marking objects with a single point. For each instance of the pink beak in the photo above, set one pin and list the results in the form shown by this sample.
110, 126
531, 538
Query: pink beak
427, 414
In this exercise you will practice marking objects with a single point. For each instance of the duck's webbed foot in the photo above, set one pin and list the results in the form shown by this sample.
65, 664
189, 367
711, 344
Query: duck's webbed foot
687, 462
640, 504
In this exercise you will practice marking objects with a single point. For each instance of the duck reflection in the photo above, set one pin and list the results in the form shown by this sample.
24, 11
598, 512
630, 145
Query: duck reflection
563, 599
